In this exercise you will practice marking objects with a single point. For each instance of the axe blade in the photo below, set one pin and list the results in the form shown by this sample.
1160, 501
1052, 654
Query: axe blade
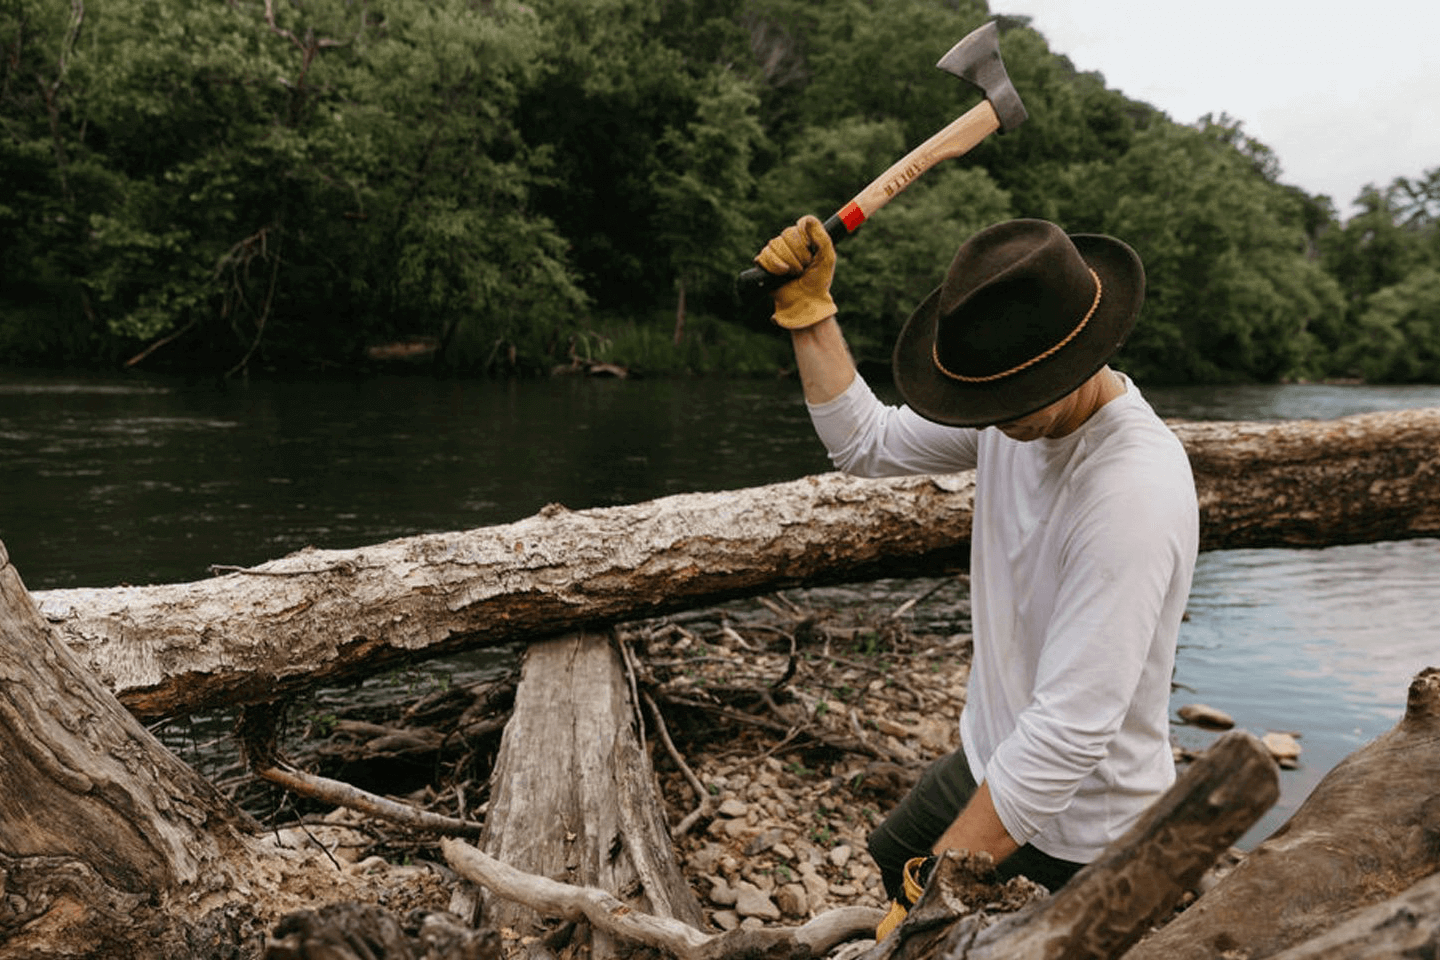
976, 59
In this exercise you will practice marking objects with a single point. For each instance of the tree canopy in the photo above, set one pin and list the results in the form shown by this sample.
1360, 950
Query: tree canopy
219, 186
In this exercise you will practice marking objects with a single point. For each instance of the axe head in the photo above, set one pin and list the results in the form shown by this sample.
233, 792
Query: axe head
976, 59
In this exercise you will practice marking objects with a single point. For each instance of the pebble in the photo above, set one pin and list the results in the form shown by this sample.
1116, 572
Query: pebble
1208, 717
751, 901
733, 808
816, 886
840, 855
1283, 747
726, 919
720, 893
792, 900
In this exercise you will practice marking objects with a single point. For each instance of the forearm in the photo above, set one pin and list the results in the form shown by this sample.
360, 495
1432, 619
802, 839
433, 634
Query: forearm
978, 828
823, 360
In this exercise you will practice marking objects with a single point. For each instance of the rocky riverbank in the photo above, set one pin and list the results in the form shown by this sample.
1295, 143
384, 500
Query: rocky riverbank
781, 729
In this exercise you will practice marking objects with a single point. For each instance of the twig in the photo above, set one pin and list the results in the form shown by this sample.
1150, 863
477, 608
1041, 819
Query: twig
169, 338
628, 659
705, 802
341, 794
779, 728
905, 607
258, 732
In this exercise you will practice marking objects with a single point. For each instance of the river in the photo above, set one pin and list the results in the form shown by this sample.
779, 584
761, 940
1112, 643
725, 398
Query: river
108, 479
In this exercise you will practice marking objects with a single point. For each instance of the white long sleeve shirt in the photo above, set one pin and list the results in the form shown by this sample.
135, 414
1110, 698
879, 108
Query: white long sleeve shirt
1082, 551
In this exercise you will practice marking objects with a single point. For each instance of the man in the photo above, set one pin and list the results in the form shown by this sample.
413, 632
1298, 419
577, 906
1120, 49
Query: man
1083, 544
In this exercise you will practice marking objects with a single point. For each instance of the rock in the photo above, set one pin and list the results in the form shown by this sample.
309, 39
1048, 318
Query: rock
840, 855
720, 892
1200, 715
733, 808
726, 919
751, 901
816, 886
792, 900
1283, 747
764, 842
706, 859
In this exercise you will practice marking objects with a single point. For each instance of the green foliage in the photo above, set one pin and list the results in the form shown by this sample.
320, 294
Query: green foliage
221, 185
1231, 290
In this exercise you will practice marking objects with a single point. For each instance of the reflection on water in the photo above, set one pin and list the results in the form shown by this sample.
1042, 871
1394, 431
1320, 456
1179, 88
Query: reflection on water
1321, 642
108, 479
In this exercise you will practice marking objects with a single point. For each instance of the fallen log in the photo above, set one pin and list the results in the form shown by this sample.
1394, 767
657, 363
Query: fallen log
1368, 832
325, 616
110, 846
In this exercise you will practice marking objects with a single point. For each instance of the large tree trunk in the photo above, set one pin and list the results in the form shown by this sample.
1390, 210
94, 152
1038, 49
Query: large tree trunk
323, 616
573, 796
109, 845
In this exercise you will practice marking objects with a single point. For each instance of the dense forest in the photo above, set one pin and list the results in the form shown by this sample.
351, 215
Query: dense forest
225, 185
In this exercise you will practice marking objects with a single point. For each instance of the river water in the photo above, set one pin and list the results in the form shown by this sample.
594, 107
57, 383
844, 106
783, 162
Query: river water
108, 479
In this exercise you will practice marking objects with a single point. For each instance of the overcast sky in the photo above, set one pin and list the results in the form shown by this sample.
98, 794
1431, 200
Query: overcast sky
1346, 94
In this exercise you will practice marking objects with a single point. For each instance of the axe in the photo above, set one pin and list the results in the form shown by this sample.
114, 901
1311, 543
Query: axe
975, 59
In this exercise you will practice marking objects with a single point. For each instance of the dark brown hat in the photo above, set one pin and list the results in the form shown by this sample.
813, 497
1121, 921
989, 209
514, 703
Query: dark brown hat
1026, 315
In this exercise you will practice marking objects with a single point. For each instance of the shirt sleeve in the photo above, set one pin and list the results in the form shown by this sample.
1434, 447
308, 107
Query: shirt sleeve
868, 438
1116, 573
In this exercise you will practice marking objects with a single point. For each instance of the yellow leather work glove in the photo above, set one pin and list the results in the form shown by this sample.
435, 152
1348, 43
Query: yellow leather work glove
914, 877
805, 252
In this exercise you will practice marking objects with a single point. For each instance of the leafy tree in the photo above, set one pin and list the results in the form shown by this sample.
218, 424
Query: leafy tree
700, 188
1398, 335
1231, 291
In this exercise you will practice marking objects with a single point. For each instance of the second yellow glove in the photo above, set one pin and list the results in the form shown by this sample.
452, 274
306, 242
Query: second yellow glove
915, 875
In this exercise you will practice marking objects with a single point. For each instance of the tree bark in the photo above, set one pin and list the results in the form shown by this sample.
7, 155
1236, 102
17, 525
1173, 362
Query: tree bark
325, 616
109, 845
573, 796
1406, 927
1368, 831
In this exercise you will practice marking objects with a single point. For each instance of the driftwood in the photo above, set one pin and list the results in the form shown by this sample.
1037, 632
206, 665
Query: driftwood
322, 616
573, 793
1368, 831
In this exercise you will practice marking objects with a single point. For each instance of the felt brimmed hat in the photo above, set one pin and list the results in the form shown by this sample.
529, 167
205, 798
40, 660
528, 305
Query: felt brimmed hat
1026, 314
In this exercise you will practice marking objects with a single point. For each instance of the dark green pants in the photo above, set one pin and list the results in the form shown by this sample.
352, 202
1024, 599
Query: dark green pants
928, 809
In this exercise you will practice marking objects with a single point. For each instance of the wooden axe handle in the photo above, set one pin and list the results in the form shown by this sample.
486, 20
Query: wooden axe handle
955, 139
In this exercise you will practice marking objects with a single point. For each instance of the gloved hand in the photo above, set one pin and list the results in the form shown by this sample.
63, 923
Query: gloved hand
914, 877
805, 252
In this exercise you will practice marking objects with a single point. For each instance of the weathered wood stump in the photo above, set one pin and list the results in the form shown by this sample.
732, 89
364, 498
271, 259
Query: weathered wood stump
573, 795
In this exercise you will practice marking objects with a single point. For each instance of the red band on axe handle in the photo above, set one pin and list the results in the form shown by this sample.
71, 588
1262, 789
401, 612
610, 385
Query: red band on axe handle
852, 216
